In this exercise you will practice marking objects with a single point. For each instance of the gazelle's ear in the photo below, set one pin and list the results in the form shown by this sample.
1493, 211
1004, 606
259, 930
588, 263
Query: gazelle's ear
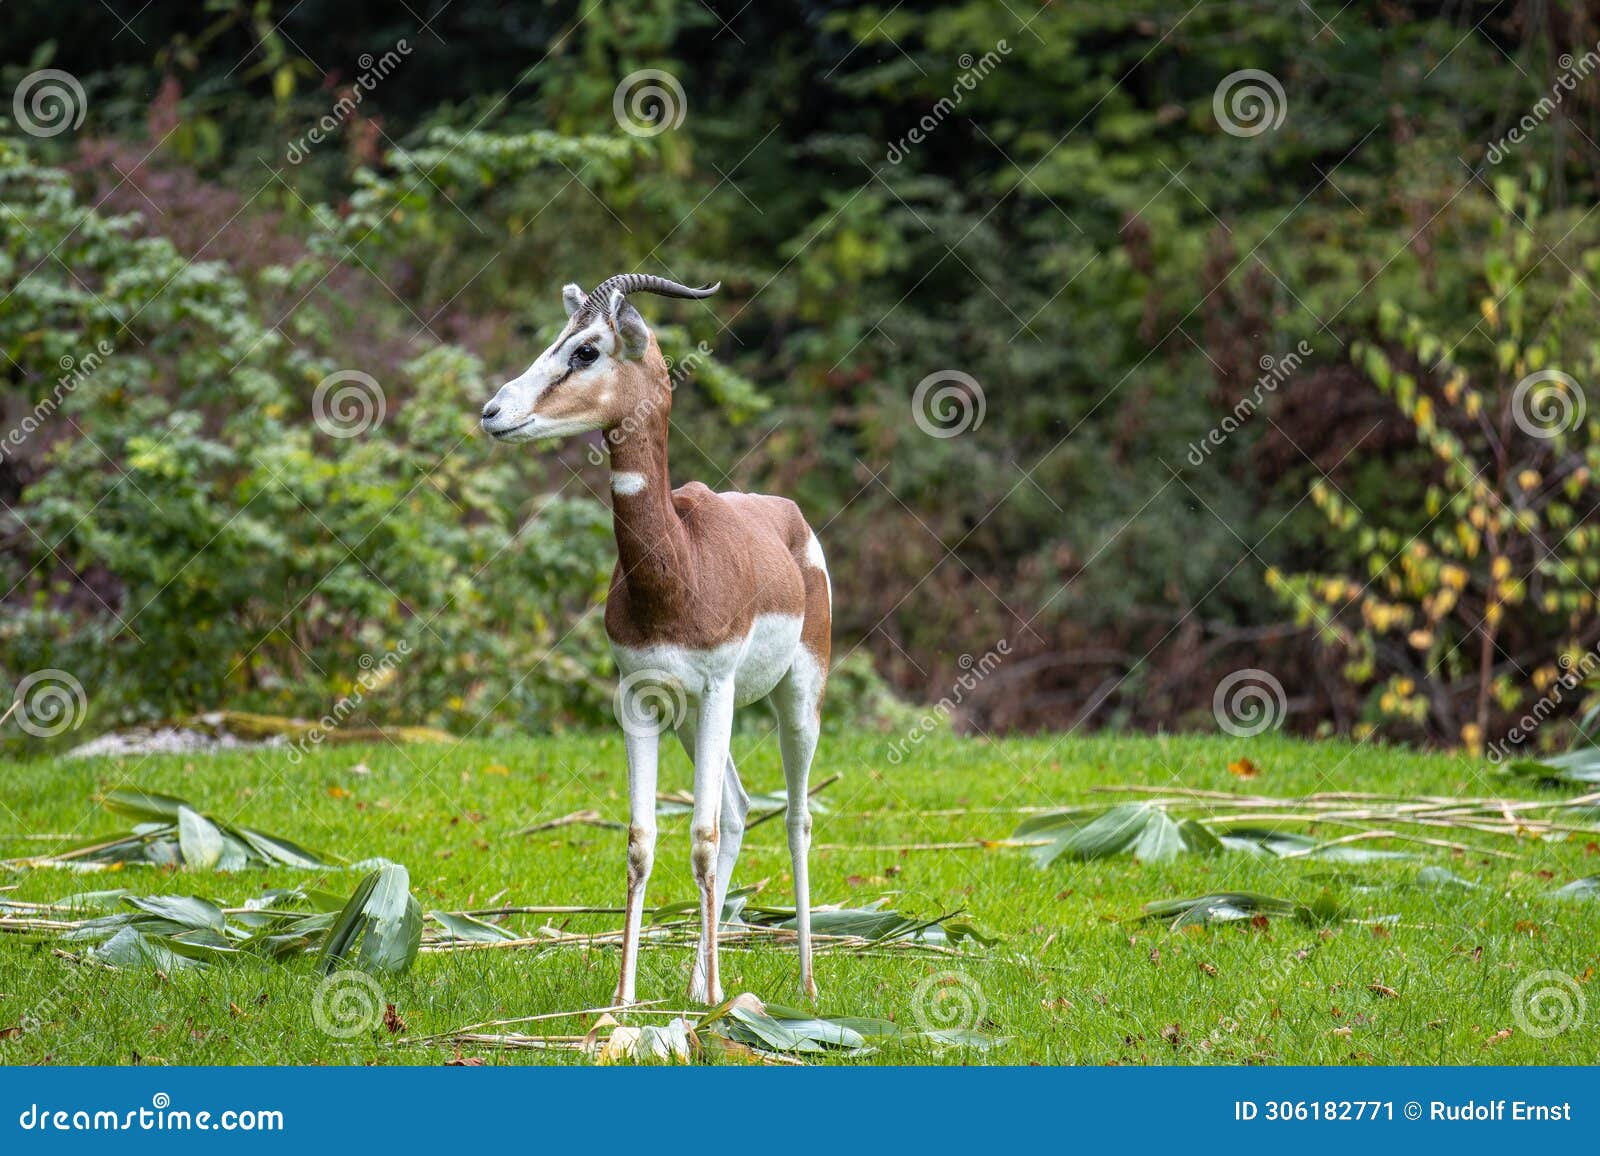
572, 298
634, 332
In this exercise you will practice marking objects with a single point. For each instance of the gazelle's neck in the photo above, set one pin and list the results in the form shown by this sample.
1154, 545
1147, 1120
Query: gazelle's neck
652, 547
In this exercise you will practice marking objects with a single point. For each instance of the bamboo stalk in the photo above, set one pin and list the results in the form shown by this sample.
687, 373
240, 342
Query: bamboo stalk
783, 810
593, 1011
968, 845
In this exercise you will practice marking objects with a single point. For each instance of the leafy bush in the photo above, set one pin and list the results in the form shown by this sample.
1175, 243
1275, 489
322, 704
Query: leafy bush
183, 531
1461, 611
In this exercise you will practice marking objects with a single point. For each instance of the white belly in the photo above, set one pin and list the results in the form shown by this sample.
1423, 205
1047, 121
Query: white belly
755, 663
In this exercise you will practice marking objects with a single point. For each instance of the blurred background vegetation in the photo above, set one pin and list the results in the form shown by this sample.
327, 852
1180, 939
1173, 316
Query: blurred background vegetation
1076, 232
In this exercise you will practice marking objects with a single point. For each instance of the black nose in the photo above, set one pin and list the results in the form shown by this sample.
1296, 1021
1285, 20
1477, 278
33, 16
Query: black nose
490, 410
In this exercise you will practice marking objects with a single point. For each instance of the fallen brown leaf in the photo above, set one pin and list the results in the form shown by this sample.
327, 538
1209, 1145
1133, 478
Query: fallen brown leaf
392, 1020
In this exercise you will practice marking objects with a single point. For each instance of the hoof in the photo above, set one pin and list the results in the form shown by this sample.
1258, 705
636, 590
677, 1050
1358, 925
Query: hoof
698, 993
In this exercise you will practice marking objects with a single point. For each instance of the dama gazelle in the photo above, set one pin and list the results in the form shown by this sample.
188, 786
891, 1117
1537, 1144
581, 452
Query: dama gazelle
717, 601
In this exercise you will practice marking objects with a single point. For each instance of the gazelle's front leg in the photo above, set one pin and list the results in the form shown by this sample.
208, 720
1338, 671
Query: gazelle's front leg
643, 746
713, 733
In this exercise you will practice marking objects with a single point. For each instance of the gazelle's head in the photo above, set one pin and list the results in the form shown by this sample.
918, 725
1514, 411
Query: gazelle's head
604, 368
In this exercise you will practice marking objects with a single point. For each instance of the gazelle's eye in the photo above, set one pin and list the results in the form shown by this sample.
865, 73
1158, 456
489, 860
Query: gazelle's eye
585, 354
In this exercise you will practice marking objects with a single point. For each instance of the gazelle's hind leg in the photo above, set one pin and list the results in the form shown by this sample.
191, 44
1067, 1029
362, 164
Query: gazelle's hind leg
735, 807
798, 703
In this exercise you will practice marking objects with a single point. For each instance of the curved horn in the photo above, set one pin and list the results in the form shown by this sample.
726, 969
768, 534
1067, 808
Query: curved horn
626, 283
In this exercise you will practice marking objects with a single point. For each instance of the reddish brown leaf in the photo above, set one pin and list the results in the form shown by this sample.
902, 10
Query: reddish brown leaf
392, 1020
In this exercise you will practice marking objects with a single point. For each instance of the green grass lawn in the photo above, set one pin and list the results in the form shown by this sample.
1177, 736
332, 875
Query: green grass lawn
1075, 979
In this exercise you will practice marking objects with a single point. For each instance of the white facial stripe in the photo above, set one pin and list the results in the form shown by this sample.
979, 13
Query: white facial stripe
551, 366
627, 483
517, 399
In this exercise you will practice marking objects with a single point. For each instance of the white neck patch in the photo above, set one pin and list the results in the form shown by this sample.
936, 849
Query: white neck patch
627, 483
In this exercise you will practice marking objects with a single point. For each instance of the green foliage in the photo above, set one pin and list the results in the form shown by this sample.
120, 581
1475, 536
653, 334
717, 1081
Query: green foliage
1480, 600
1077, 978
192, 536
1078, 233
